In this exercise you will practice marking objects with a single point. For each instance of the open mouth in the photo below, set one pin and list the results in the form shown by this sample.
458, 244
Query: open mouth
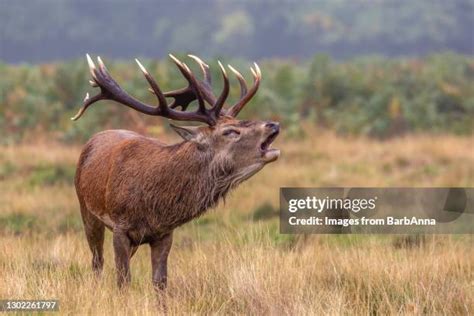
265, 146
270, 154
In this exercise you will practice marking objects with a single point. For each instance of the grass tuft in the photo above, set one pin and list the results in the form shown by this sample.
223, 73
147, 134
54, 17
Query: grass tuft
233, 260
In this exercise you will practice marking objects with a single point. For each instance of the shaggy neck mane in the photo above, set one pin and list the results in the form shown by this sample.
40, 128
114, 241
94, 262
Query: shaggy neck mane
195, 180
216, 176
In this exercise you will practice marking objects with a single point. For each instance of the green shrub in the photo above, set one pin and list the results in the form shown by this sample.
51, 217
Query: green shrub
7, 169
264, 211
17, 223
70, 223
368, 95
52, 174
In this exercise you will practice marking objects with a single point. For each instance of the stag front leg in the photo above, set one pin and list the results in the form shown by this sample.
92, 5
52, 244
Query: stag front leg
160, 250
123, 253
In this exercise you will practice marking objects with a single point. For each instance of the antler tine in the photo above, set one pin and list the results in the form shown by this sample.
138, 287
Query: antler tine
195, 85
240, 78
92, 67
154, 88
236, 108
217, 107
182, 97
206, 84
206, 89
204, 68
101, 64
186, 72
87, 102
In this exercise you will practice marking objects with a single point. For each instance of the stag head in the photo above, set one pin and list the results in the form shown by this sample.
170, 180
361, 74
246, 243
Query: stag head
237, 146
240, 146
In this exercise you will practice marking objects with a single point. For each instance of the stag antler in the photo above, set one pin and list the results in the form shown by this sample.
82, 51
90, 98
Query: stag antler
245, 96
196, 90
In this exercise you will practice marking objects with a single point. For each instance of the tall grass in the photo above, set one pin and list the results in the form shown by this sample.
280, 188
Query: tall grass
233, 260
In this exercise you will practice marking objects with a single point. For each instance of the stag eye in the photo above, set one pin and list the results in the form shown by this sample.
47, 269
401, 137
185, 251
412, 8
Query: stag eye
231, 133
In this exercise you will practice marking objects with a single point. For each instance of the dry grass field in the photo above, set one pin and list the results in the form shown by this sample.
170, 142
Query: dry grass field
233, 259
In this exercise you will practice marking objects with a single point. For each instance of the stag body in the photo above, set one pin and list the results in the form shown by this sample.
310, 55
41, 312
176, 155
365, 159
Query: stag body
142, 189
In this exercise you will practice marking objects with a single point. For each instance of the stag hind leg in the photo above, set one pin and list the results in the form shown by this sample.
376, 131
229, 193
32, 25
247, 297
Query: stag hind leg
94, 230
123, 250
160, 250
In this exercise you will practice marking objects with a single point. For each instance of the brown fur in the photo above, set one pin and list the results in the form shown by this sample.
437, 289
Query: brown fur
142, 189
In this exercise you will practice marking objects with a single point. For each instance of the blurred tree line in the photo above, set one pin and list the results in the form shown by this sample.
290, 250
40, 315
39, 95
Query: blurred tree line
370, 95
47, 30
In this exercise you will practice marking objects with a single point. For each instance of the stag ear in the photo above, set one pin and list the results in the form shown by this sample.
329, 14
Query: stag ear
188, 133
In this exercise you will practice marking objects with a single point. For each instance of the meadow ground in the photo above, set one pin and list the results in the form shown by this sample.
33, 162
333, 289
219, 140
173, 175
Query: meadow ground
233, 259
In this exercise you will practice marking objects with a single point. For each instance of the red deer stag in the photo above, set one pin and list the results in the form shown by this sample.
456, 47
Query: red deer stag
142, 189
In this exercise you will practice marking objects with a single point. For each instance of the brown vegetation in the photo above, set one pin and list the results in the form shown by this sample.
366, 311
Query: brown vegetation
233, 259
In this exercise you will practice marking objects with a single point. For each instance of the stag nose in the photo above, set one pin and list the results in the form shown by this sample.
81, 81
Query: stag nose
275, 126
